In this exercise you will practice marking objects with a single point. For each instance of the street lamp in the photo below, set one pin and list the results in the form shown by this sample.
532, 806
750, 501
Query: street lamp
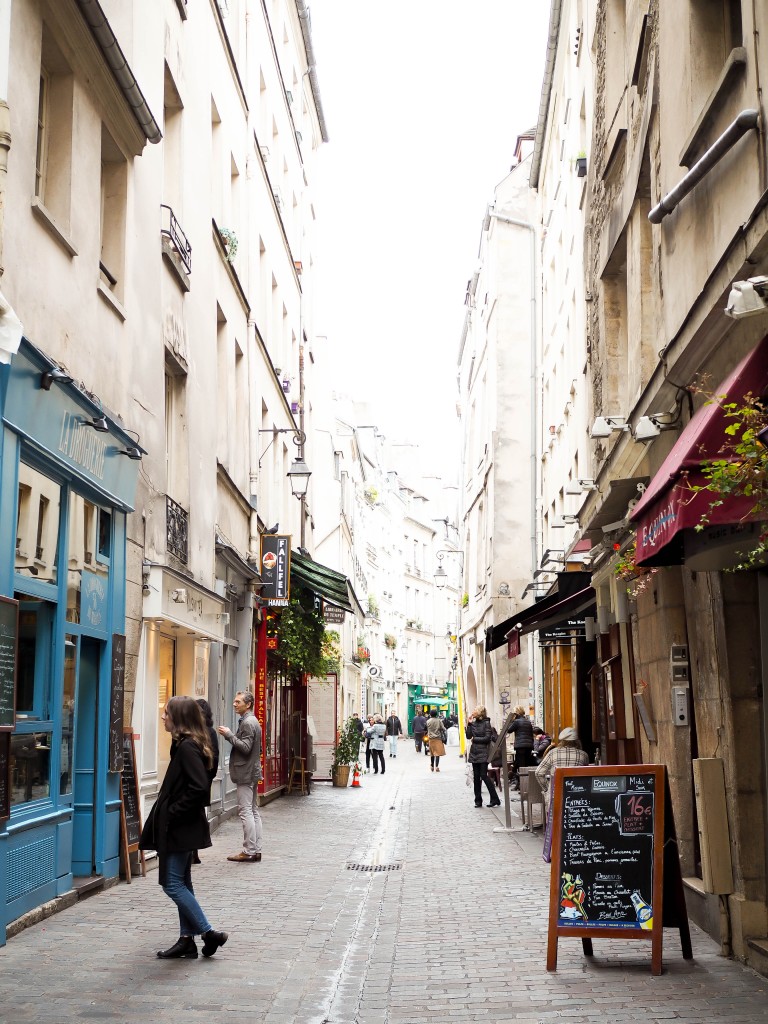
441, 576
299, 475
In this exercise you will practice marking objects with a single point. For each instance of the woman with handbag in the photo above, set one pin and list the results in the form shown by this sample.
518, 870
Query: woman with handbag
177, 825
437, 737
377, 733
481, 732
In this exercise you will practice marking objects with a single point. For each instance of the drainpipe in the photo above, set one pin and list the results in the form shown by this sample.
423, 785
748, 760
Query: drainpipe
746, 120
306, 32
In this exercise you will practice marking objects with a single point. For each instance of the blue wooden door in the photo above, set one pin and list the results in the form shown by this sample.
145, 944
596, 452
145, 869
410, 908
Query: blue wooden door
86, 754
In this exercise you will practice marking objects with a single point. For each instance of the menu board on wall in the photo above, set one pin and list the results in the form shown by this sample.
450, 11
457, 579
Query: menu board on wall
608, 862
116, 703
321, 707
9, 633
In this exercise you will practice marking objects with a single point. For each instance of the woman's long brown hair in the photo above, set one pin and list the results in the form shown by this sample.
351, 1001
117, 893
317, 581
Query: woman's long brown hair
187, 720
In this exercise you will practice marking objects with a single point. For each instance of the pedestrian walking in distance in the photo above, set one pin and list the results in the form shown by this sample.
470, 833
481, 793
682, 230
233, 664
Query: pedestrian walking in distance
367, 733
418, 728
522, 730
394, 730
377, 734
480, 731
177, 826
245, 772
437, 737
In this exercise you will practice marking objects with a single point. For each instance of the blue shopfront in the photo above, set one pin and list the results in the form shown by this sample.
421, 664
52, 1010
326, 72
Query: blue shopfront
67, 481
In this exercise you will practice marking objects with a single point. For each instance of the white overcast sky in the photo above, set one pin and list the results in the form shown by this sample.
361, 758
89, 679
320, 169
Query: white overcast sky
423, 102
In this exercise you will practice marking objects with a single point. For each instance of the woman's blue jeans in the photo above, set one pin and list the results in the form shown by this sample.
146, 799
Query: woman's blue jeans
178, 887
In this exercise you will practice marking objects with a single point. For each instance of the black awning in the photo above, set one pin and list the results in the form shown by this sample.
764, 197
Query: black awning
561, 610
568, 584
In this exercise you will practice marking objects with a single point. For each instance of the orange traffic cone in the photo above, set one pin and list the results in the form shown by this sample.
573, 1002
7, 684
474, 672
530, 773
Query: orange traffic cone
356, 778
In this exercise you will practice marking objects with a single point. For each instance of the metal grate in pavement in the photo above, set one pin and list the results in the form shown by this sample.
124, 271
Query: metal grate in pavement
352, 866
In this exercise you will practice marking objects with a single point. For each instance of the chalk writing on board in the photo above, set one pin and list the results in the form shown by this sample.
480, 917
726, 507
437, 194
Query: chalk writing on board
606, 861
8, 643
116, 702
5, 777
130, 793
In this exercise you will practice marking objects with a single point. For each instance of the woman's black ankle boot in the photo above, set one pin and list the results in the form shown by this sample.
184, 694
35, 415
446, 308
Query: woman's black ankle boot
212, 940
183, 948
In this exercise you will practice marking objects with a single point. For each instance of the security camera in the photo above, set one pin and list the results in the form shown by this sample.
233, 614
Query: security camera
747, 297
620, 524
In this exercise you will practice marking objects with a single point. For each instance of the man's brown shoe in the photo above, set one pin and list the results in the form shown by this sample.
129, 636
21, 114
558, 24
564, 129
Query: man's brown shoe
245, 857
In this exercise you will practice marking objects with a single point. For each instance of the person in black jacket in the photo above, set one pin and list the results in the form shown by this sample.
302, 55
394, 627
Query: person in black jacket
481, 732
177, 825
522, 729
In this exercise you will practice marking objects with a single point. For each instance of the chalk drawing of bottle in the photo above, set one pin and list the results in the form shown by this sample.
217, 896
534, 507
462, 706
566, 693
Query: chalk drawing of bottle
643, 911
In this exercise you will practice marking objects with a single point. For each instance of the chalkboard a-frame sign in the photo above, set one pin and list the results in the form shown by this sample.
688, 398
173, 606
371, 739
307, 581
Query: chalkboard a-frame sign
130, 812
615, 866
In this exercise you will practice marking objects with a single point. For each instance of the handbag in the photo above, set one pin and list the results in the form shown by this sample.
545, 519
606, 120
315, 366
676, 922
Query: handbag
443, 734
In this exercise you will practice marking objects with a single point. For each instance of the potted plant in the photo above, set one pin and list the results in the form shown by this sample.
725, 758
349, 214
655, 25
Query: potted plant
229, 238
390, 641
345, 753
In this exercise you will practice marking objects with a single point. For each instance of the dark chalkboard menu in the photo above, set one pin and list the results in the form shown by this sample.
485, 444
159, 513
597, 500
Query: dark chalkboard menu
608, 863
130, 812
5, 775
9, 633
116, 703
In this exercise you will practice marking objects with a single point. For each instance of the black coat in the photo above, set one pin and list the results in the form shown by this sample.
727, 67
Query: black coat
522, 729
481, 733
177, 822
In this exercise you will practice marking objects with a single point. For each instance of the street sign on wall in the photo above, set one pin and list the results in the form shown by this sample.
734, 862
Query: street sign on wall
276, 569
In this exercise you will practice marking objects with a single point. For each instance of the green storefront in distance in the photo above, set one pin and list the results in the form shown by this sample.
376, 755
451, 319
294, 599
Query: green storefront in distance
424, 699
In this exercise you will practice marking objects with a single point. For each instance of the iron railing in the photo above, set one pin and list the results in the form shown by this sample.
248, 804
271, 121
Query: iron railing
171, 228
176, 529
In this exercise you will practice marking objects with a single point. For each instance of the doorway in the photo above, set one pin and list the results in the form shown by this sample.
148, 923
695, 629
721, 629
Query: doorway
86, 759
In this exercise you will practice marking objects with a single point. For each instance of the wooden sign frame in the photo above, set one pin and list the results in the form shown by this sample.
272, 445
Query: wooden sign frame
667, 899
127, 848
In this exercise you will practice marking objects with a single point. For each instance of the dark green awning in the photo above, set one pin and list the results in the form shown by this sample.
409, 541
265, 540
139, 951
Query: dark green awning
332, 586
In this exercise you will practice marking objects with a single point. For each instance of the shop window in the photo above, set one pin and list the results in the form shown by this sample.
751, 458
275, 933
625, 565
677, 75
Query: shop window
37, 525
88, 562
166, 688
68, 716
32, 740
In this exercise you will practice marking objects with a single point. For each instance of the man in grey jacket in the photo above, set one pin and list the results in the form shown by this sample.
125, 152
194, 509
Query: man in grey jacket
245, 772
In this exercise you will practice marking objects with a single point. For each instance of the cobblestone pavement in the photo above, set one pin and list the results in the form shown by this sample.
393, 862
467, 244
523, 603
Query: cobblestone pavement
457, 933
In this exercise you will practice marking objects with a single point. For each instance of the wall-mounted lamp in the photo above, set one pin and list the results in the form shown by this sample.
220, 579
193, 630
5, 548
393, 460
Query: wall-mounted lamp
299, 475
54, 374
550, 555
541, 572
131, 452
747, 298
535, 586
604, 426
98, 423
579, 486
441, 576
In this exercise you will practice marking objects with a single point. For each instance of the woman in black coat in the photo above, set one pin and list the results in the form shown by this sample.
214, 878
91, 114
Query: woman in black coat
177, 825
481, 732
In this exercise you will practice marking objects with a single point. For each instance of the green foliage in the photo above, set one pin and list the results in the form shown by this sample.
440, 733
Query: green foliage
229, 238
347, 749
740, 470
304, 641
464, 600
390, 641
373, 606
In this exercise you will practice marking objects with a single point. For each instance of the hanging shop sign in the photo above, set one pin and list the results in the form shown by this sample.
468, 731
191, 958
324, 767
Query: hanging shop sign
333, 615
275, 569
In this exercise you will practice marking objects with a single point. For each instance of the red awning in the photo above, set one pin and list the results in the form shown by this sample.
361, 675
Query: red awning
669, 505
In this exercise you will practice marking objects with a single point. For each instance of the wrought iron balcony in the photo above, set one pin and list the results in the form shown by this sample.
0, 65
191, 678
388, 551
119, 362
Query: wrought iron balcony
176, 529
171, 229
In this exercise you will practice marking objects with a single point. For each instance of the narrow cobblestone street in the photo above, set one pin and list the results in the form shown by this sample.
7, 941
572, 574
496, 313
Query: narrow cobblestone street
456, 933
